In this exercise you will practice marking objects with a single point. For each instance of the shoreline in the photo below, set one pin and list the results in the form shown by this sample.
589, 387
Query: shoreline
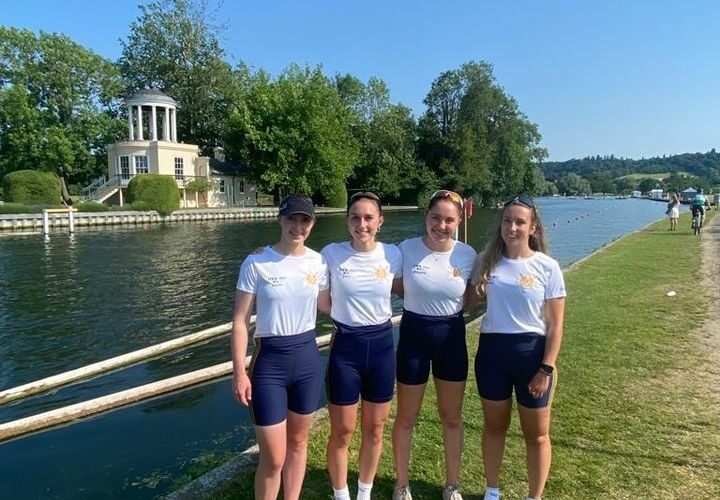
26, 224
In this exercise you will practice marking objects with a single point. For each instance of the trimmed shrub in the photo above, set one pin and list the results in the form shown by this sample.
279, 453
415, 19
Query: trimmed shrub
91, 206
160, 192
335, 195
31, 186
17, 208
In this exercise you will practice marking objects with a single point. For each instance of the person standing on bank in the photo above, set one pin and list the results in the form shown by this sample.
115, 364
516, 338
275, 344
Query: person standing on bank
520, 338
283, 385
673, 212
361, 363
436, 270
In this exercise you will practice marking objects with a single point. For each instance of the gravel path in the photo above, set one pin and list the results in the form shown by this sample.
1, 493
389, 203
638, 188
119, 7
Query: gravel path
709, 333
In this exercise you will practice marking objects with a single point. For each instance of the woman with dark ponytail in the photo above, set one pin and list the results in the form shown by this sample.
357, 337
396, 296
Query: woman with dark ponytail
520, 338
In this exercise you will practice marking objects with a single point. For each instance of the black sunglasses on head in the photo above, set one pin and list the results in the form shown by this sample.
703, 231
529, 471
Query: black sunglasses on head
364, 194
521, 199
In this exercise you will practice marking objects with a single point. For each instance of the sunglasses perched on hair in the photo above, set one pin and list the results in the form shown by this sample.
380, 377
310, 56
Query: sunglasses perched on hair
520, 199
444, 193
364, 194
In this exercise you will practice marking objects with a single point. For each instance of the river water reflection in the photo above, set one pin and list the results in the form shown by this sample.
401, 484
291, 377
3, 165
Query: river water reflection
70, 301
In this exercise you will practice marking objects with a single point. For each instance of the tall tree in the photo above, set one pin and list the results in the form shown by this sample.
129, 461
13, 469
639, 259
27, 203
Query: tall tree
173, 47
58, 105
474, 137
293, 133
385, 133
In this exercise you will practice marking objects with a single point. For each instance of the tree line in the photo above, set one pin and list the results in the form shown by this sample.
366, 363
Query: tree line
608, 174
300, 131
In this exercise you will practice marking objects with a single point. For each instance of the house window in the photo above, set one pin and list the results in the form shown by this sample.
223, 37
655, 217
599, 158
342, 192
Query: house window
241, 185
141, 164
221, 186
124, 167
179, 173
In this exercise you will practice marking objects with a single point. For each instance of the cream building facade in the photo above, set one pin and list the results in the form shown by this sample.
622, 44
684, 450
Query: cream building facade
152, 147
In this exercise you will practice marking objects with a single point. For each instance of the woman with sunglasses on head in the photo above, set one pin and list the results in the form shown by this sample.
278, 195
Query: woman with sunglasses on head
520, 338
436, 270
361, 364
288, 282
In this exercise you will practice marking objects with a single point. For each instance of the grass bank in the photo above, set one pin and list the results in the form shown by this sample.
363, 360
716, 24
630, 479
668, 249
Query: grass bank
630, 418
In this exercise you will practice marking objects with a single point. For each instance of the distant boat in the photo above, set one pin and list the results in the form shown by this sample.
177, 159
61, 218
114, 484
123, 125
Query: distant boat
588, 198
621, 197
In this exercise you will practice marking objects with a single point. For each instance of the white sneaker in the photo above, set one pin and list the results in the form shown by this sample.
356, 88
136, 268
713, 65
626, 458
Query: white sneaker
402, 493
451, 493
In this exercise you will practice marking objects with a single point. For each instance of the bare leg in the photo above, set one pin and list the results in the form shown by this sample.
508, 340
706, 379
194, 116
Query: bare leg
449, 402
535, 424
409, 401
272, 443
497, 420
342, 426
374, 416
293, 473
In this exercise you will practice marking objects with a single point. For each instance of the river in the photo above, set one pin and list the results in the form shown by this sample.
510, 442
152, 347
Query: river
72, 300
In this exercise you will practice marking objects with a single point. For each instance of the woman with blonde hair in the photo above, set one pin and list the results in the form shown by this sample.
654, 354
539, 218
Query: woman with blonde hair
520, 338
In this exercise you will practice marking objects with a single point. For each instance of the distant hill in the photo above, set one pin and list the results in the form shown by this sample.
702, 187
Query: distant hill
657, 176
703, 165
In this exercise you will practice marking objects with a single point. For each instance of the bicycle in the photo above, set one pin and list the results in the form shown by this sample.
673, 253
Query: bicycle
696, 222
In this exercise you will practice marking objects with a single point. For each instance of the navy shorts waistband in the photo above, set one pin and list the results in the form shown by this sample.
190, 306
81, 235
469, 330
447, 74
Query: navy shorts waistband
285, 341
365, 331
432, 319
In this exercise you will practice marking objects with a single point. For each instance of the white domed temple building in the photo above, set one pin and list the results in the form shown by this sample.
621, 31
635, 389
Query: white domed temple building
152, 147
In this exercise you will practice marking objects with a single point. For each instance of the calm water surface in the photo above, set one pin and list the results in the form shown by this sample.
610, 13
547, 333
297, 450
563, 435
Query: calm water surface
73, 300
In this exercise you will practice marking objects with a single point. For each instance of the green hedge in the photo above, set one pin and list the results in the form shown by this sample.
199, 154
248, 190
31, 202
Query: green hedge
336, 195
31, 186
159, 192
91, 206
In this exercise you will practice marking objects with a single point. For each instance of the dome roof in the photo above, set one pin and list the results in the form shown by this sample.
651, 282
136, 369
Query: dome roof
151, 96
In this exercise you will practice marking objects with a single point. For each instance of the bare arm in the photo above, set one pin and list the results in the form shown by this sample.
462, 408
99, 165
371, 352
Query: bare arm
324, 302
555, 321
398, 288
472, 298
238, 346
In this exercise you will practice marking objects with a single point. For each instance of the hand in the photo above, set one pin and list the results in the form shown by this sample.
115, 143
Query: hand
539, 385
242, 388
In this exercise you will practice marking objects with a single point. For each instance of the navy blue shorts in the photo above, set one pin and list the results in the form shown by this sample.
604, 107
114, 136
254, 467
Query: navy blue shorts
507, 361
361, 363
286, 374
431, 340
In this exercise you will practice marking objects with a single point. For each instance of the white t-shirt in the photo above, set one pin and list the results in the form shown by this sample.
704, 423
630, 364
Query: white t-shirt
286, 289
361, 282
434, 282
516, 294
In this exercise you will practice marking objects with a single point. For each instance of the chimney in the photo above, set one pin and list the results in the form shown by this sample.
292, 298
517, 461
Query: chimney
219, 153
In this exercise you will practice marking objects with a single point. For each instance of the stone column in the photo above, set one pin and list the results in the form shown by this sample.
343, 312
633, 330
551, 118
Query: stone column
153, 123
173, 124
131, 129
166, 124
140, 124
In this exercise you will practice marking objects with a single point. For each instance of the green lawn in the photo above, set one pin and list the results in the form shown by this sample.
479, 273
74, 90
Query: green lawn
631, 418
658, 176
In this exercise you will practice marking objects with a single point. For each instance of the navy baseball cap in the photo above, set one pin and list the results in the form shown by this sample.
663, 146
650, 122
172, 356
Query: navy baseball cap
296, 204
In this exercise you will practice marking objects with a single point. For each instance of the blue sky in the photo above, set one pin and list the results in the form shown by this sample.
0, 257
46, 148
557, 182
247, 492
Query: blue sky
629, 78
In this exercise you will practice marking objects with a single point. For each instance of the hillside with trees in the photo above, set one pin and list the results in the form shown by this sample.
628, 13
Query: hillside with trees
609, 174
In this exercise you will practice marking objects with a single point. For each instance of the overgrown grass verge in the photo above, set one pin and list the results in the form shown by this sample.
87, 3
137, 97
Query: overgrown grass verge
629, 421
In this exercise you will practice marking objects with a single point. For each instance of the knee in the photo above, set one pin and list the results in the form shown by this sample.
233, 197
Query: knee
373, 433
405, 422
537, 440
496, 428
271, 463
297, 442
340, 436
451, 420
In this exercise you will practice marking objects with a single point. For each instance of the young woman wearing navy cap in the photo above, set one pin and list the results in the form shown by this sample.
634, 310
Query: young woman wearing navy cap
287, 282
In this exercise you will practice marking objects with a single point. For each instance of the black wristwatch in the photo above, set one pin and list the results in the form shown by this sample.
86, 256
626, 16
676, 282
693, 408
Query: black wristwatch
546, 369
